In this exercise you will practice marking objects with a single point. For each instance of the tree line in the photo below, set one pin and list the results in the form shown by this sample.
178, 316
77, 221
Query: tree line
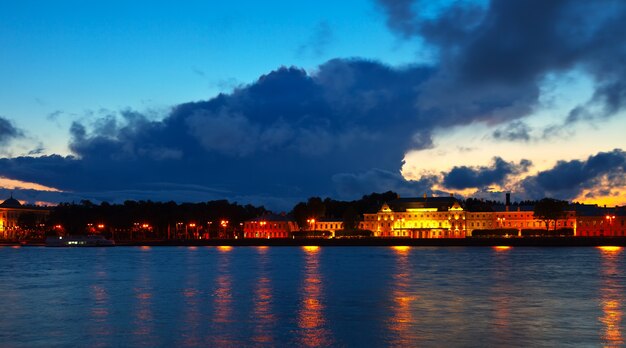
221, 218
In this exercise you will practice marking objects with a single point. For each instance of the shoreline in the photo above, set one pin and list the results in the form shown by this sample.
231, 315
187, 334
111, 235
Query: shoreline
382, 242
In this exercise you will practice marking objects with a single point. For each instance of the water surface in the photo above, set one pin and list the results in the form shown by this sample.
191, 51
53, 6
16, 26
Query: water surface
311, 296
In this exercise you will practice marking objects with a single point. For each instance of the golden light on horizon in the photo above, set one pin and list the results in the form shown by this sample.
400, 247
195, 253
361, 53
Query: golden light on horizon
12, 184
502, 247
144, 247
610, 249
225, 248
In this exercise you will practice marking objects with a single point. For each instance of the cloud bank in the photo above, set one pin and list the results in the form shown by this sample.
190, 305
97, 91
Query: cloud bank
343, 130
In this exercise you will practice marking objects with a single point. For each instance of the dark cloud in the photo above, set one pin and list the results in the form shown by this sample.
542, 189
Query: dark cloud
599, 173
38, 150
514, 131
349, 185
494, 55
284, 136
294, 134
8, 131
317, 44
464, 177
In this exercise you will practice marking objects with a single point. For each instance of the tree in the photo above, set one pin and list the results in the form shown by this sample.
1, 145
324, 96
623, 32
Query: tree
550, 209
350, 218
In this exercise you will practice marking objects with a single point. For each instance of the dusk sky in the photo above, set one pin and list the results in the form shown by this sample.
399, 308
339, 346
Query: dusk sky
273, 102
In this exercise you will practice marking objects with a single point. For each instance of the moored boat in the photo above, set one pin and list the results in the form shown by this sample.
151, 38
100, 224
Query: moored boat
79, 241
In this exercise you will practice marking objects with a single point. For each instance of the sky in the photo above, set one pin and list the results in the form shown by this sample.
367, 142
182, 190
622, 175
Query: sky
272, 102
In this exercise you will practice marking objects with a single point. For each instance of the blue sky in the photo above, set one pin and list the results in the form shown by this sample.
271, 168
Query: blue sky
76, 56
114, 100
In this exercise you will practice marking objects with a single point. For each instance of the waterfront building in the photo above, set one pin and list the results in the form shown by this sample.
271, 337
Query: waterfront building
515, 218
422, 217
594, 221
331, 225
445, 217
269, 226
11, 211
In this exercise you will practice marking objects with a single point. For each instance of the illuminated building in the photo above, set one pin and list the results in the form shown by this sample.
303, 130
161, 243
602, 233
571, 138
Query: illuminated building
10, 212
445, 217
423, 217
594, 221
269, 226
327, 225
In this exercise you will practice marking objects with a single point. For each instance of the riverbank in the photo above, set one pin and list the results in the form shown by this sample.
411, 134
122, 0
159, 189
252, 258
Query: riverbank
444, 242
356, 242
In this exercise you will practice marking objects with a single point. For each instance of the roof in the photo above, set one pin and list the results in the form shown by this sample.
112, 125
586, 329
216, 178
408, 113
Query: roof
11, 203
273, 217
513, 208
440, 203
596, 211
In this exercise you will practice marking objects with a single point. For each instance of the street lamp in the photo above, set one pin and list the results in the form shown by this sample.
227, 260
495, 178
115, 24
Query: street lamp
610, 218
262, 223
311, 223
224, 224
193, 226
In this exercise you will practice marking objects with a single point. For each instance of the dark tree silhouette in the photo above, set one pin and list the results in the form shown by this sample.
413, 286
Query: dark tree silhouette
550, 209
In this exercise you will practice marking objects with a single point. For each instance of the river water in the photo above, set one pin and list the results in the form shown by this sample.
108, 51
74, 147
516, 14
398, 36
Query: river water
312, 296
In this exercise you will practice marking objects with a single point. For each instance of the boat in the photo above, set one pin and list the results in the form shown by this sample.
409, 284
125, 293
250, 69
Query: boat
79, 241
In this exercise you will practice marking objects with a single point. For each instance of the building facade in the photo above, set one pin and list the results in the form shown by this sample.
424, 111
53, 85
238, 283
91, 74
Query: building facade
12, 211
445, 217
269, 226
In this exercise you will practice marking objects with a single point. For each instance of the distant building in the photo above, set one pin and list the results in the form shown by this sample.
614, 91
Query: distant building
269, 226
10, 212
327, 225
445, 217
594, 221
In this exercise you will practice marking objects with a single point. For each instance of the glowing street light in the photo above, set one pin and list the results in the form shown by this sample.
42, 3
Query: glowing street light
610, 218
501, 221
224, 224
262, 224
311, 223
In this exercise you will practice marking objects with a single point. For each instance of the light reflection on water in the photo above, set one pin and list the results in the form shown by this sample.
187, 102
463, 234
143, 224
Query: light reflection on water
223, 300
401, 323
263, 317
611, 295
311, 321
142, 325
312, 296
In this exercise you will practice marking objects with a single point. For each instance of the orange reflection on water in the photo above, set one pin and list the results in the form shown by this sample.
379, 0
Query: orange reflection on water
611, 294
502, 330
192, 332
264, 317
610, 249
311, 248
223, 301
99, 325
143, 305
400, 324
311, 320
401, 249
